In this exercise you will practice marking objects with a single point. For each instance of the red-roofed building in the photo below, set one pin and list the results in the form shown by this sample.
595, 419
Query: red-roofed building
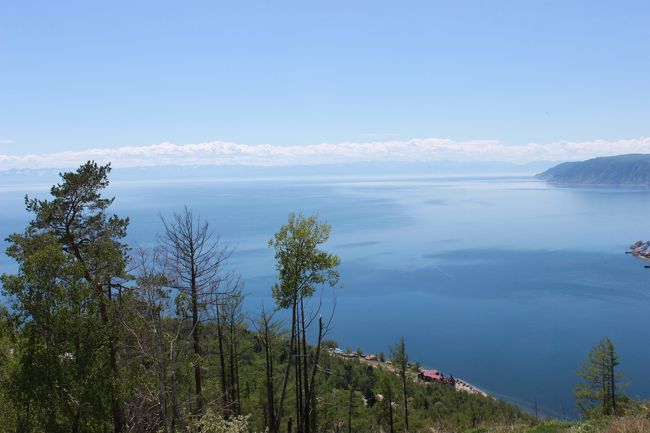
431, 376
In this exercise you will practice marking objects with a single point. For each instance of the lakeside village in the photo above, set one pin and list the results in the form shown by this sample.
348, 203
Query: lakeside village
430, 376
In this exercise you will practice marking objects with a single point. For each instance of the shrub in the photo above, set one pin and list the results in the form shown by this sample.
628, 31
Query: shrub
212, 422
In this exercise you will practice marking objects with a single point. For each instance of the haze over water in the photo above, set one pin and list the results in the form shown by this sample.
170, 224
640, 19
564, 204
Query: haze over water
504, 282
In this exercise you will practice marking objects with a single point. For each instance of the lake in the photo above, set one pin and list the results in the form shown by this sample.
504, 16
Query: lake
504, 282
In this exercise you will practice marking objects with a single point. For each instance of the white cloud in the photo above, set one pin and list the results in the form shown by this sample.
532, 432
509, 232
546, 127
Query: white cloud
6, 141
417, 149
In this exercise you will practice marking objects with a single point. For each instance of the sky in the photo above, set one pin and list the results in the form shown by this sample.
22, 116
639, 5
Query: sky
278, 82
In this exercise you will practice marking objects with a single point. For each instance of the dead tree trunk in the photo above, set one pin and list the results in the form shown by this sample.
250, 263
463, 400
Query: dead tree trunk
197, 259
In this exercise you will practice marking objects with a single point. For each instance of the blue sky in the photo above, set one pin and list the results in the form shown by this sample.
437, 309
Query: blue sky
91, 74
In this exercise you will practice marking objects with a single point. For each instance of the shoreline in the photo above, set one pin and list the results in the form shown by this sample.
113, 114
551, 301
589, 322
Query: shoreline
459, 384
462, 385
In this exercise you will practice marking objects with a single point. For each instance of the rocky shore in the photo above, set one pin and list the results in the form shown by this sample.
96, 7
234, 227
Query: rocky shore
641, 249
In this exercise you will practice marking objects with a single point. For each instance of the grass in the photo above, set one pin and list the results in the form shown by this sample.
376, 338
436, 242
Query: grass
636, 424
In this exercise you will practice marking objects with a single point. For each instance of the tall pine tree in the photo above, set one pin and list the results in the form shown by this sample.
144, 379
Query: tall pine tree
599, 392
65, 296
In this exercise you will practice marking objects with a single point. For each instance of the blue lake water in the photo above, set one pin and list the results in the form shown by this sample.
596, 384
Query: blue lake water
504, 282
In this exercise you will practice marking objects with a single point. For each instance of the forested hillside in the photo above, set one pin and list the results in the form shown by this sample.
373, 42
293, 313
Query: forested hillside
100, 336
631, 170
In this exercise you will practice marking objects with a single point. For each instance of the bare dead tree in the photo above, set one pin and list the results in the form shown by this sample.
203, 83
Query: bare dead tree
225, 311
144, 325
156, 335
197, 270
269, 334
233, 319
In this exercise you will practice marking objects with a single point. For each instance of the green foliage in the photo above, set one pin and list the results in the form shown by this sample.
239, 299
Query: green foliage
212, 422
637, 408
330, 344
69, 259
549, 426
430, 405
590, 426
8, 364
599, 392
630, 169
60, 382
301, 265
401, 361
77, 217
86, 348
399, 356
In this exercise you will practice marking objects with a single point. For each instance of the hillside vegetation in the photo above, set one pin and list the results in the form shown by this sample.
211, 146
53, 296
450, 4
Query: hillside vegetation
622, 170
101, 336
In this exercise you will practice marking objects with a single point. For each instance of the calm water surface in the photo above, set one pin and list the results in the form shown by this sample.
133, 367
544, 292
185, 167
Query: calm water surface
505, 282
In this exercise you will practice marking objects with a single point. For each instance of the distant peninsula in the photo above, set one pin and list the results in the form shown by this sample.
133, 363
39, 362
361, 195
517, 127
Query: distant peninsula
621, 170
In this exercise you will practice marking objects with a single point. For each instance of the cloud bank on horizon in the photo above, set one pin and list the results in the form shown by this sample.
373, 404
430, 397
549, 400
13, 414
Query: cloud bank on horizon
413, 150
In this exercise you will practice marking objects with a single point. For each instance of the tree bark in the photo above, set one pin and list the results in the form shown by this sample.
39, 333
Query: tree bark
305, 360
311, 395
272, 422
222, 363
196, 342
292, 342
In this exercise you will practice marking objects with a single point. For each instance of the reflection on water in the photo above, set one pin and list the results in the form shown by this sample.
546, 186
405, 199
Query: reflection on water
506, 282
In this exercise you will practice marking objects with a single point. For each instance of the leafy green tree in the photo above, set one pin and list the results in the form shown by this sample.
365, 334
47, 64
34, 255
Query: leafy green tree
84, 347
71, 265
302, 267
599, 393
7, 365
61, 341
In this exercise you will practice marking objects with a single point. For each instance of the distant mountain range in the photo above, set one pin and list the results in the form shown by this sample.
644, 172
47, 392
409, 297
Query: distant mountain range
365, 169
621, 170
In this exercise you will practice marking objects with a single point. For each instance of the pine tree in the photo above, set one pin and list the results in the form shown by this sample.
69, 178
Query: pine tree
66, 298
599, 393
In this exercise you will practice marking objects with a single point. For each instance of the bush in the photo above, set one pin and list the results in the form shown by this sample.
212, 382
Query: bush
593, 426
214, 423
330, 344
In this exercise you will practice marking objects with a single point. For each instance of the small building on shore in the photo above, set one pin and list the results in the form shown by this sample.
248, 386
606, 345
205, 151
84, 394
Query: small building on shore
431, 376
